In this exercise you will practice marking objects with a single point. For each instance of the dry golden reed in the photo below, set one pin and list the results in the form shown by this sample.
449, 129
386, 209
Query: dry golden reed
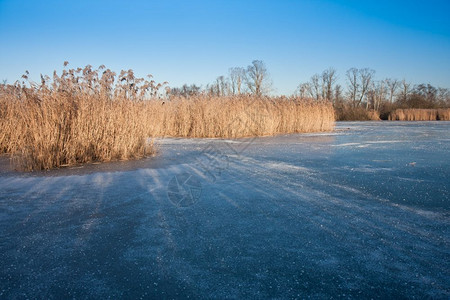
373, 115
238, 116
60, 131
84, 117
415, 114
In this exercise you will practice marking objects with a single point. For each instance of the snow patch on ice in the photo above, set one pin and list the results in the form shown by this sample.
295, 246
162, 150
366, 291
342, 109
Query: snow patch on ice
286, 167
347, 145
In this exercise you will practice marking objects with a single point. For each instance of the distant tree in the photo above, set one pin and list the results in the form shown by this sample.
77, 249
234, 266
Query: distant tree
213, 89
257, 78
303, 90
443, 97
338, 97
237, 76
366, 77
377, 94
185, 91
315, 90
319, 87
392, 85
427, 91
421, 96
222, 86
359, 82
328, 80
405, 90
352, 85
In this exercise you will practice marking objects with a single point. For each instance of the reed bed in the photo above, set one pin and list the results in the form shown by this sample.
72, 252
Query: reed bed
414, 114
239, 116
443, 114
91, 118
58, 131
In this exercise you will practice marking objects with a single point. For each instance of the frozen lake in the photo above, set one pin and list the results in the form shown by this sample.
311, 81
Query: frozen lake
360, 212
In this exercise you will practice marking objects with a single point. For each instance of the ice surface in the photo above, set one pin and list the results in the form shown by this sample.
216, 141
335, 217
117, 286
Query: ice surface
291, 216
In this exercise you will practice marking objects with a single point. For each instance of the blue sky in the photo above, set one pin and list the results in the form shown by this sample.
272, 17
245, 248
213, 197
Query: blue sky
196, 41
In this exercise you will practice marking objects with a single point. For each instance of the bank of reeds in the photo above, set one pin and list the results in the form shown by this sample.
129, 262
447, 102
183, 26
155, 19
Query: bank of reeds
83, 116
414, 114
239, 116
61, 130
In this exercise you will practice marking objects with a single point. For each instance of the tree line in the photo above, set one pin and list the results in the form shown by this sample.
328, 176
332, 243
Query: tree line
254, 79
364, 92
361, 92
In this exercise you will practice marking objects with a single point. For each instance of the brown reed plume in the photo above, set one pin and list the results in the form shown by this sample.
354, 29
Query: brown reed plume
79, 117
88, 115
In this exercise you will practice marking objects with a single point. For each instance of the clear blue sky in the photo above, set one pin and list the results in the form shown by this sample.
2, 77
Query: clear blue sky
196, 41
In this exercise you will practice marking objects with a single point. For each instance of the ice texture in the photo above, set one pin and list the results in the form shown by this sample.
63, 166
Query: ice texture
359, 212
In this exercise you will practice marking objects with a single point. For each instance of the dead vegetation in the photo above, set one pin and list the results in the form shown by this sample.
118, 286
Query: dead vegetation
238, 116
415, 114
88, 115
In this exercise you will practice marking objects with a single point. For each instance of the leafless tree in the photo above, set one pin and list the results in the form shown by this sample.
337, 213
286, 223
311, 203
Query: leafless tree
338, 94
220, 87
257, 78
303, 90
319, 87
359, 81
185, 91
405, 90
328, 80
377, 94
392, 85
352, 84
237, 76
315, 90
223, 85
366, 77
443, 96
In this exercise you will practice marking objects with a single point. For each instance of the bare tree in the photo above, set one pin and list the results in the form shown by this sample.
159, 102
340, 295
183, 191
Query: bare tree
352, 84
405, 90
315, 90
303, 90
319, 87
377, 94
328, 81
222, 85
257, 78
359, 81
338, 94
428, 91
366, 76
185, 91
443, 96
392, 85
237, 76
